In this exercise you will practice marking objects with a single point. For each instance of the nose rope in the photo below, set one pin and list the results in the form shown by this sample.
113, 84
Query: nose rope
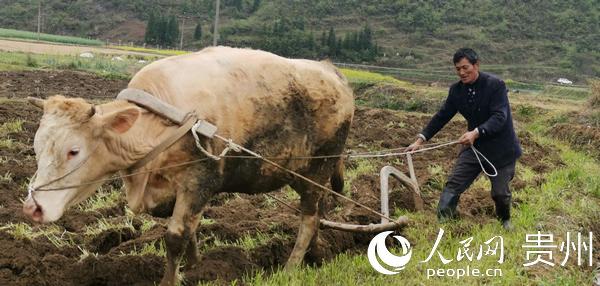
30, 188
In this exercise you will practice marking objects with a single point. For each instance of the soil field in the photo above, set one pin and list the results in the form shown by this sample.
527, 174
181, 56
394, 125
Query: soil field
83, 252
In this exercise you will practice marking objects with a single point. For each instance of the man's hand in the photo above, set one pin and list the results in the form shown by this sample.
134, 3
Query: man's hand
414, 146
469, 137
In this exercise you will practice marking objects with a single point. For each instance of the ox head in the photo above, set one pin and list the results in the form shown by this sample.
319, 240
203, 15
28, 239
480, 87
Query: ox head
73, 148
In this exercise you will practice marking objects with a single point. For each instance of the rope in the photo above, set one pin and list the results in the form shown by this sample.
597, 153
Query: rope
199, 145
477, 154
115, 177
307, 179
363, 155
231, 146
283, 203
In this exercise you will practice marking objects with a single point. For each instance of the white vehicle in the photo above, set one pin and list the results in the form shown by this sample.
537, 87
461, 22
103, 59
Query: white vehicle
564, 81
86, 55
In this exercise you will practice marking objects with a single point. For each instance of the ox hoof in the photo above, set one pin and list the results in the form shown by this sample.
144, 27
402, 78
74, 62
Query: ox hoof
168, 281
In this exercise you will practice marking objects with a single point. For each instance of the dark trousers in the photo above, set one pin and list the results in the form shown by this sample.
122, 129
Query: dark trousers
466, 170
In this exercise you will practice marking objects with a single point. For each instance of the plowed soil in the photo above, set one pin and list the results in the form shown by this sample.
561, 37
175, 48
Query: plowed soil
103, 258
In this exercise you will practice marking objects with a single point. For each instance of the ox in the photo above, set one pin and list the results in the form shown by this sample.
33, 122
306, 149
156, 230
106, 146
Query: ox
275, 106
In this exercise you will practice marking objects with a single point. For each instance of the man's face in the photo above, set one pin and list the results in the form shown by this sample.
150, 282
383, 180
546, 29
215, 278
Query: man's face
467, 72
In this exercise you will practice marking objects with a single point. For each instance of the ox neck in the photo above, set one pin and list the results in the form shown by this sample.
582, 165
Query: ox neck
148, 131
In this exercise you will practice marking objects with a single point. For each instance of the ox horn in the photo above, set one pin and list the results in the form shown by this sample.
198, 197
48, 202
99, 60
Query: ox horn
37, 102
92, 111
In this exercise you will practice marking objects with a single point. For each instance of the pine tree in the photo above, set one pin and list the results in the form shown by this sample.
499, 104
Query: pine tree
161, 30
198, 32
255, 6
172, 31
331, 42
151, 29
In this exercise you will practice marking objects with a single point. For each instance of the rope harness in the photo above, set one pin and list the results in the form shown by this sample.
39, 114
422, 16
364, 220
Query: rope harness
189, 122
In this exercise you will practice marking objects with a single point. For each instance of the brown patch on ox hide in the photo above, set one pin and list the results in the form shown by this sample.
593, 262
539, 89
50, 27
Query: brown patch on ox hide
288, 130
239, 74
75, 109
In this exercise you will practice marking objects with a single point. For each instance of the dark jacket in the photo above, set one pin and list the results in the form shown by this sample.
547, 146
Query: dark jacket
484, 104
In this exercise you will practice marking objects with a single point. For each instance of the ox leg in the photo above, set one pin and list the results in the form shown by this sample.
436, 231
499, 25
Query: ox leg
309, 224
191, 252
180, 232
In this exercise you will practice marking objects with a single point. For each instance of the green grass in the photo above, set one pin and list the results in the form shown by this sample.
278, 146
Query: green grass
15, 126
104, 224
571, 191
247, 241
102, 65
26, 35
7, 177
51, 232
365, 77
513, 84
7, 143
152, 51
568, 201
7, 128
86, 253
103, 199
363, 167
566, 92
153, 248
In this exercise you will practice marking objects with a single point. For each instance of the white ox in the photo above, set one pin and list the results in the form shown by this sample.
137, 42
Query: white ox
275, 106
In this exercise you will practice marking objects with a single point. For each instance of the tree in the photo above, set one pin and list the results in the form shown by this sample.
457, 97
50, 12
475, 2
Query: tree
152, 29
171, 32
162, 30
198, 32
331, 42
255, 6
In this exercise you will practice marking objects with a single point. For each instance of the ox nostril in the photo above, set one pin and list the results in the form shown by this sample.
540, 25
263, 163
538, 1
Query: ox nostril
37, 214
33, 210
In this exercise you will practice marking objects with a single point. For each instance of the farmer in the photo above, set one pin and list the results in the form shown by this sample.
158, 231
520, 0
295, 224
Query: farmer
482, 100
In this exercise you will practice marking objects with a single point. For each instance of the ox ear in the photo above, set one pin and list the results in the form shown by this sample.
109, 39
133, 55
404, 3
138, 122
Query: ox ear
120, 121
37, 102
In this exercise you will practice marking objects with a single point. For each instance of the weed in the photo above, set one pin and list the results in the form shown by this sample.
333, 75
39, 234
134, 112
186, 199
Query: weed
103, 199
153, 248
103, 225
7, 143
594, 100
438, 177
526, 110
248, 241
15, 126
7, 177
86, 253
31, 62
290, 194
363, 167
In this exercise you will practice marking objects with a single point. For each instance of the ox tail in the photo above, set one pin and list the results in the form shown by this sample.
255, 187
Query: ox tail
337, 178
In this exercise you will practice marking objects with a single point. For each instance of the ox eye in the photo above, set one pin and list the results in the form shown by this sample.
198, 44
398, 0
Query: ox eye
72, 153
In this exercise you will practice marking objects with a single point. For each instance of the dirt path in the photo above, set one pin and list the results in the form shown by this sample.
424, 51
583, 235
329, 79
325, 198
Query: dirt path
60, 49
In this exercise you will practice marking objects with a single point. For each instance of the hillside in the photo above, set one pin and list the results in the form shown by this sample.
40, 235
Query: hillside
524, 40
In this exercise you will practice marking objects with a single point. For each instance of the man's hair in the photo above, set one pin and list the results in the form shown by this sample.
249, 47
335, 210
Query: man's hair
467, 53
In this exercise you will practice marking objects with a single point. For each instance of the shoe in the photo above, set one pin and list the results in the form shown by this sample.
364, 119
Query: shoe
507, 225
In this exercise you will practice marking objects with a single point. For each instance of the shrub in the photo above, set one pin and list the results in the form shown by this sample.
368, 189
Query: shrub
594, 99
